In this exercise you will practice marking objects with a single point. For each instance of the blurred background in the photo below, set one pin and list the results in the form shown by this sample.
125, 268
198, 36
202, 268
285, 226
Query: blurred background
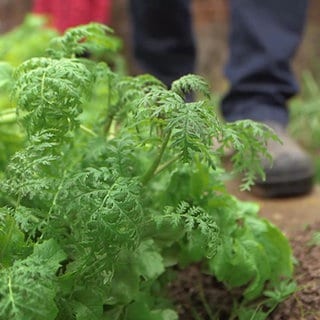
211, 27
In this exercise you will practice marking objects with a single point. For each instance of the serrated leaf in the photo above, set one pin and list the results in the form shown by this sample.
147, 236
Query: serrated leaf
276, 246
12, 245
233, 264
28, 288
125, 282
149, 260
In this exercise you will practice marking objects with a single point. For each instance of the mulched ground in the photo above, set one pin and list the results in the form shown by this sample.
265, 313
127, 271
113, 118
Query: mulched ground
195, 294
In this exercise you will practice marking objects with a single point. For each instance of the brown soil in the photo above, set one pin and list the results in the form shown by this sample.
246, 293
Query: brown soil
305, 303
196, 295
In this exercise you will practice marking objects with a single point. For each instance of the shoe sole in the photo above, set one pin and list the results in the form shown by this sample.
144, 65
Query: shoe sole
283, 189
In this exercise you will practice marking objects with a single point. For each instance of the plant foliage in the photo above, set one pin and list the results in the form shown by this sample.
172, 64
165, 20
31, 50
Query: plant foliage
94, 215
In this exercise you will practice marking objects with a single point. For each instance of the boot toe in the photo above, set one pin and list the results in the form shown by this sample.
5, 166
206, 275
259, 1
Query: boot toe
291, 171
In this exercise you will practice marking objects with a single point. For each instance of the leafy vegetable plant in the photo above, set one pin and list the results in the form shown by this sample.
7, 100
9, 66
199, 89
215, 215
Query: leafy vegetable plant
102, 200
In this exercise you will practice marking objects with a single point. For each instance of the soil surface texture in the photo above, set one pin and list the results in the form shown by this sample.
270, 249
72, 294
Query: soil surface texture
199, 296
196, 295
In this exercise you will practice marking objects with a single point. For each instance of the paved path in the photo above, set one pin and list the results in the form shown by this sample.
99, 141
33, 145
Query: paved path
289, 214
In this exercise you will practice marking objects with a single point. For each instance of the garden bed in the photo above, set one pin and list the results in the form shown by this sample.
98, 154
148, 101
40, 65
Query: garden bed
198, 296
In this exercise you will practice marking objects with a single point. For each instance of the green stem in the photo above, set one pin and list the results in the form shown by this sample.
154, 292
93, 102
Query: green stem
166, 165
150, 173
54, 201
87, 130
7, 111
18, 200
204, 302
195, 314
8, 118
110, 115
108, 123
42, 89
256, 311
272, 308
11, 298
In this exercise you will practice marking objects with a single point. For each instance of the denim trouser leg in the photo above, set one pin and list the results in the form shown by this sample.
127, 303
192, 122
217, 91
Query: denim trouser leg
163, 38
263, 39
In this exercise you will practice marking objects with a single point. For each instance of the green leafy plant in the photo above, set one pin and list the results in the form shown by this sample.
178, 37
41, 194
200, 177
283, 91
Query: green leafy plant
101, 201
31, 39
315, 239
305, 120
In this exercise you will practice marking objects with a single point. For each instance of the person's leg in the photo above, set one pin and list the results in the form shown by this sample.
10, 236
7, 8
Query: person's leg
263, 39
162, 37
264, 36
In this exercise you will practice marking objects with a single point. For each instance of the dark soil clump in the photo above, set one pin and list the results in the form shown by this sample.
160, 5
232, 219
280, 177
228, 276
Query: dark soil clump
305, 303
195, 296
198, 296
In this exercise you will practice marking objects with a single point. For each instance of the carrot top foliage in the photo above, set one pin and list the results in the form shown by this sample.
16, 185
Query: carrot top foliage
102, 200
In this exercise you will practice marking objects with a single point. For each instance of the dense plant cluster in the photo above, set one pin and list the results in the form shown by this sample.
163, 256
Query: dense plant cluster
104, 198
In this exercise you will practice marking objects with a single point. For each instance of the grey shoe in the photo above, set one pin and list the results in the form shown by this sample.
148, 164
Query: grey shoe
291, 172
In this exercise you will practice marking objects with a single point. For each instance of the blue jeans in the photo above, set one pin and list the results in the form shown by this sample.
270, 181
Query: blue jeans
264, 36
